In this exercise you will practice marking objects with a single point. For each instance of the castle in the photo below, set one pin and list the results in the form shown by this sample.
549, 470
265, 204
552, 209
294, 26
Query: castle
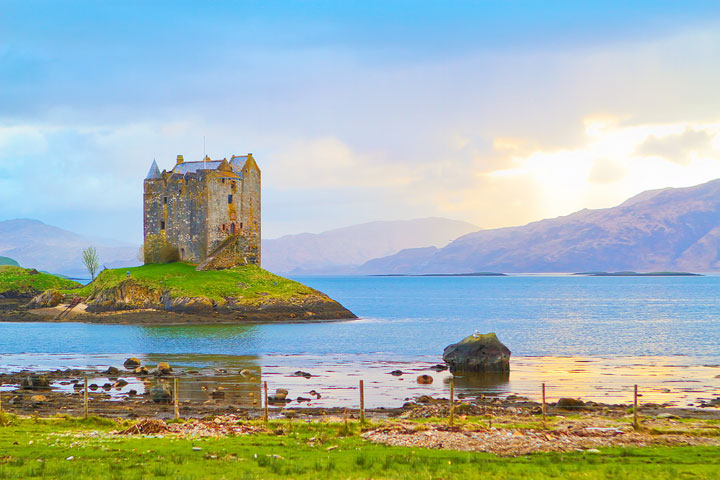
209, 211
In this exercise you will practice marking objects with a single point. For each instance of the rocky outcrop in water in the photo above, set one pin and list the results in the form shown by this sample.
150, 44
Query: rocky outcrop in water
478, 353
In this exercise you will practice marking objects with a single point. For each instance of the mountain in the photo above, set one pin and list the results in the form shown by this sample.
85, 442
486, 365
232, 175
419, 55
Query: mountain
8, 261
671, 229
342, 249
35, 244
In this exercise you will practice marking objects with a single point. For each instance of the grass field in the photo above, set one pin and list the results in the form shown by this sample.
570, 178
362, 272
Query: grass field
79, 449
19, 280
248, 282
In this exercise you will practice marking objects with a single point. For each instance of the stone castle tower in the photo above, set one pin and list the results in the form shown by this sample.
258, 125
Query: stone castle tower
209, 210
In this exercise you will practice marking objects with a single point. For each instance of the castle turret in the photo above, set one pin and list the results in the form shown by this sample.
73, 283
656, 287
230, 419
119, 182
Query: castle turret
154, 172
180, 159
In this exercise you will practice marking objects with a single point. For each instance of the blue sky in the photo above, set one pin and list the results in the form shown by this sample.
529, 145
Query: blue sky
498, 113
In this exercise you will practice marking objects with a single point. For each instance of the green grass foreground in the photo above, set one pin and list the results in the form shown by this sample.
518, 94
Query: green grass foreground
21, 281
66, 447
182, 280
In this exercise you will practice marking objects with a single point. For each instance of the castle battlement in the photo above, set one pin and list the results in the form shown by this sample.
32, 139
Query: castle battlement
208, 209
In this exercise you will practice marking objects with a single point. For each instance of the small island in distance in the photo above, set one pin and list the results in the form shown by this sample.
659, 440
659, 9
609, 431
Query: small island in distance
637, 274
472, 274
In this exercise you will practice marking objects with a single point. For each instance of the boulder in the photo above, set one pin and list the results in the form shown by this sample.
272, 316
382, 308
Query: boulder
132, 363
424, 379
478, 353
300, 373
142, 370
120, 383
396, 373
161, 393
49, 298
38, 399
112, 371
570, 403
35, 382
163, 368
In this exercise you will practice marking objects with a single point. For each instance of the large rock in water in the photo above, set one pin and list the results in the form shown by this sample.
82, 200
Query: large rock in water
478, 353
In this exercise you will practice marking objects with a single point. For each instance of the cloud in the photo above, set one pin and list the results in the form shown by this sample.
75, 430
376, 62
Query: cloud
679, 148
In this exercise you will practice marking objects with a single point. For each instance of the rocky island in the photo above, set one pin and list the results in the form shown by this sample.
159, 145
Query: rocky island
167, 293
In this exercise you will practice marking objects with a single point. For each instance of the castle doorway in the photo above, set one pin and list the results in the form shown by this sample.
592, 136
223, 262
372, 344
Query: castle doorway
182, 254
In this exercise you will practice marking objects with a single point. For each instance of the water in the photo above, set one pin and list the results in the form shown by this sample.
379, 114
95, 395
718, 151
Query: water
621, 330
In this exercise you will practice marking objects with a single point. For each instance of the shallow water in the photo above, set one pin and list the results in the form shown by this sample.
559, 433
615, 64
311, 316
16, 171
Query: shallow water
585, 336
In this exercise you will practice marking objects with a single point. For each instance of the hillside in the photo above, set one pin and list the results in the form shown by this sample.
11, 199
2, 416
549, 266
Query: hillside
672, 229
339, 250
35, 244
17, 282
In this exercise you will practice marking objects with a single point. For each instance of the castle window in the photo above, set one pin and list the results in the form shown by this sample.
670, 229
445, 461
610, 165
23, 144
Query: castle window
240, 225
232, 228
222, 180
164, 200
229, 198
162, 225
186, 182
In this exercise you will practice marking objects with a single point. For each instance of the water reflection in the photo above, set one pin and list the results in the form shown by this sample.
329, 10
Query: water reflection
194, 332
483, 383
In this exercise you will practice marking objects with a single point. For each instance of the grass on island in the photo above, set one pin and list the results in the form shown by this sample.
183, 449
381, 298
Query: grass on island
83, 449
248, 282
24, 281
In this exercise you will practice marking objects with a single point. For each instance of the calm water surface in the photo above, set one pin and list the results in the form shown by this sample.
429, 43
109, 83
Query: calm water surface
597, 333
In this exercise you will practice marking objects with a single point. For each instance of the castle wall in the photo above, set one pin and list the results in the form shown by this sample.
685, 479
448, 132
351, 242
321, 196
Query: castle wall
182, 206
250, 213
222, 217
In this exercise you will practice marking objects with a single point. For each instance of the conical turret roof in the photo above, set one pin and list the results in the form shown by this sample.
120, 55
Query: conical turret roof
154, 171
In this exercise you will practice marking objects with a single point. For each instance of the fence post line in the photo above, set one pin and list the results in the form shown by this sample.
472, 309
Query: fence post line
544, 411
85, 397
362, 402
635, 409
452, 401
175, 398
265, 396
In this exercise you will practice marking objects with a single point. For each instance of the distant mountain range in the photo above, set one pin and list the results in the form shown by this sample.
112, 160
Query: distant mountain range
34, 244
672, 229
343, 249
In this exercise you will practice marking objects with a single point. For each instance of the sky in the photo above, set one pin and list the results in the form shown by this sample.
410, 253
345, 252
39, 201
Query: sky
494, 112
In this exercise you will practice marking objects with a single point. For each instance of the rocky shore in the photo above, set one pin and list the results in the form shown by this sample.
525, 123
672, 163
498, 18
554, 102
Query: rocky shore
192, 310
146, 391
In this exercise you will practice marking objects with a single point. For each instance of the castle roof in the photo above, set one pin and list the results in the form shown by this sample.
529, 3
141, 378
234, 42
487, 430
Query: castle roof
193, 167
154, 171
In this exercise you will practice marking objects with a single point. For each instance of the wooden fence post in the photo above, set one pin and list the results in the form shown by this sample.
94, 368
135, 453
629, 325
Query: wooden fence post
362, 403
544, 411
636, 425
175, 398
452, 401
85, 397
265, 412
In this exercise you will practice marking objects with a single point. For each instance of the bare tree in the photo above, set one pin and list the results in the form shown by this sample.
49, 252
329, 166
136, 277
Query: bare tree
91, 261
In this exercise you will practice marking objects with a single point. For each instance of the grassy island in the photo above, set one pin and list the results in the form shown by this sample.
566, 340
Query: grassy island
249, 282
170, 293
27, 282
